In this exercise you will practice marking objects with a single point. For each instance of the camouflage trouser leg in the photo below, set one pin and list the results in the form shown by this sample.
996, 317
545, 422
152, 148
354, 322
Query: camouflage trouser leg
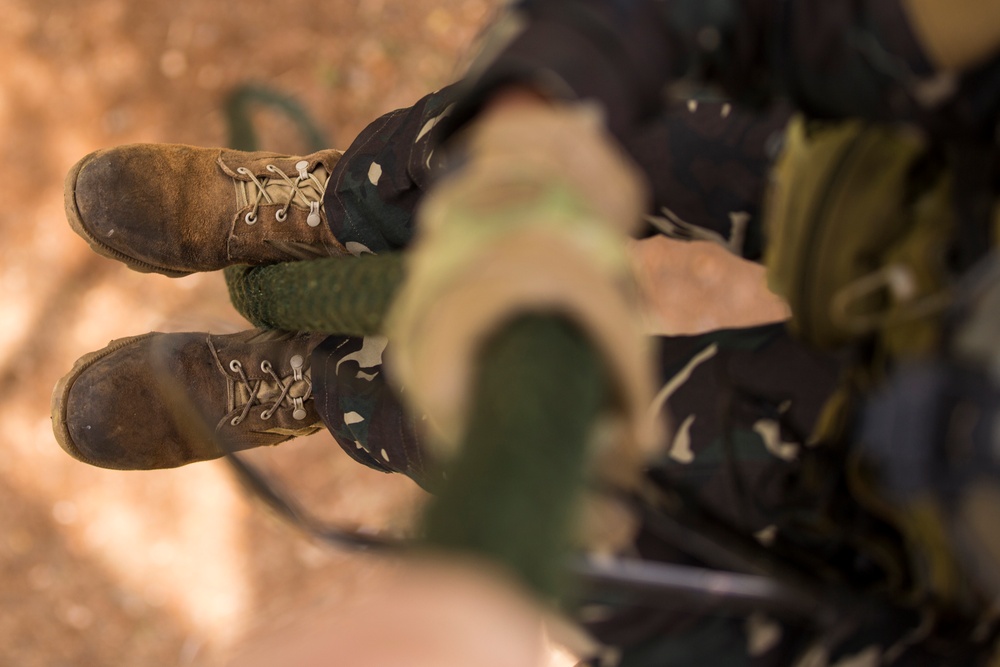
743, 403
755, 390
707, 164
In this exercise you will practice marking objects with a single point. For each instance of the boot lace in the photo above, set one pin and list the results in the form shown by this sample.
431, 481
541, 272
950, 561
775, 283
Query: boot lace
306, 189
273, 392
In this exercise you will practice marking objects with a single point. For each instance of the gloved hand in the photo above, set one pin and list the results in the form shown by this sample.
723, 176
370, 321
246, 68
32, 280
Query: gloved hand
535, 220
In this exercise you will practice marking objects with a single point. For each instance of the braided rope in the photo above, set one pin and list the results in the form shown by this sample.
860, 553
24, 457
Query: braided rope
337, 295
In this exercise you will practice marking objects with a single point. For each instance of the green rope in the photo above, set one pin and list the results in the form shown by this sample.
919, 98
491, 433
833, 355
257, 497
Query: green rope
513, 489
242, 135
337, 295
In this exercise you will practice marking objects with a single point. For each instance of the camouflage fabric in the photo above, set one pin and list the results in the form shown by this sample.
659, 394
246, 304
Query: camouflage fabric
742, 402
363, 410
375, 187
708, 164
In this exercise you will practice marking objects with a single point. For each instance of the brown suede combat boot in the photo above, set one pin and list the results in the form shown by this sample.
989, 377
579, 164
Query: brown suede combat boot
175, 210
135, 404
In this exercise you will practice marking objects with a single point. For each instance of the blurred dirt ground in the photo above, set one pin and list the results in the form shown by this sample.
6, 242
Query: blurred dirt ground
101, 568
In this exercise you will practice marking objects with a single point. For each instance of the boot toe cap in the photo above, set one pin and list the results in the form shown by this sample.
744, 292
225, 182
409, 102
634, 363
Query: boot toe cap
129, 203
113, 426
109, 412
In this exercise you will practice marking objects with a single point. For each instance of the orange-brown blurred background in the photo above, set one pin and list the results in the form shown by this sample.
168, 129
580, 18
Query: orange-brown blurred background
167, 568
172, 567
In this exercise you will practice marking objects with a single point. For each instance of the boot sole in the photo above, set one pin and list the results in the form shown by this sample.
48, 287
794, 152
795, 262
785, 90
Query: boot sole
60, 394
76, 223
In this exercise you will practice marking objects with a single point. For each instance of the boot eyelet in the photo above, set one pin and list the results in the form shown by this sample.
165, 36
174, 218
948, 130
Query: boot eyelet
250, 218
265, 366
266, 415
280, 215
235, 365
235, 421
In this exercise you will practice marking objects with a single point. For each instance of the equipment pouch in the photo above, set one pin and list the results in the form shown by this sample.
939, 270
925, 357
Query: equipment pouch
859, 224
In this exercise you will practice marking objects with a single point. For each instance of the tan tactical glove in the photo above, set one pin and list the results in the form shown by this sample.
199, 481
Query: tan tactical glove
536, 220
